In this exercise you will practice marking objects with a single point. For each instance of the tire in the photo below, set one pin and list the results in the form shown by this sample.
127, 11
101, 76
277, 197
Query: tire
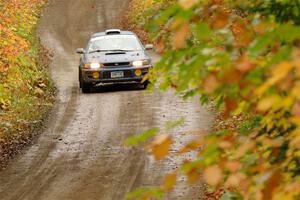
80, 79
86, 87
145, 84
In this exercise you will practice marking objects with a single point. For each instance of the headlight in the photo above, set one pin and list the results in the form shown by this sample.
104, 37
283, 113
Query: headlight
92, 66
140, 63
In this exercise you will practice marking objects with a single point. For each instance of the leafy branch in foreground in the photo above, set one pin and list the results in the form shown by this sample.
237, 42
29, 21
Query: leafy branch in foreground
246, 58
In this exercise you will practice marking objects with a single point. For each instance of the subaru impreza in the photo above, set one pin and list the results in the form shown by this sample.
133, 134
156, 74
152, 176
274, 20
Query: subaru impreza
113, 56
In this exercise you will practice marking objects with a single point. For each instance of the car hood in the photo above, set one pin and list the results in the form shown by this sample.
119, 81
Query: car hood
110, 57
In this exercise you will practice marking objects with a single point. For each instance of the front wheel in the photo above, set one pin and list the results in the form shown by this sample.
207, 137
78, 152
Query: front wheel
80, 79
86, 87
145, 84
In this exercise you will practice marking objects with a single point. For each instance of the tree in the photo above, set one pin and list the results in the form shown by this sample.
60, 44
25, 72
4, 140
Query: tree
245, 57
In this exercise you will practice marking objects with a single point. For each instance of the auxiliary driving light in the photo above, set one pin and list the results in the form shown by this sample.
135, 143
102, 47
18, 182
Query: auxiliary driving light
138, 72
96, 75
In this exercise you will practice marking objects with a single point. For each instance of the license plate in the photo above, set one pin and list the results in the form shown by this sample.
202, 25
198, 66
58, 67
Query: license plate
118, 74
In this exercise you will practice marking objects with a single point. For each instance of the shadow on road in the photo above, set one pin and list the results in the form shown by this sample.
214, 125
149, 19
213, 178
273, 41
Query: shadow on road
116, 88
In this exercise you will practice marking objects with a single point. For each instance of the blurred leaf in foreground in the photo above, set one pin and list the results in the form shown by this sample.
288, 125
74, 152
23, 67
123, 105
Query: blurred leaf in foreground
138, 139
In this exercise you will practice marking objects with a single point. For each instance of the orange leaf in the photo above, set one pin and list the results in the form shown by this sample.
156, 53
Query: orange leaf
230, 105
243, 36
160, 146
170, 181
296, 109
193, 176
210, 83
244, 64
244, 149
160, 46
286, 83
193, 145
181, 35
187, 4
272, 184
233, 166
232, 76
220, 20
213, 175
234, 180
260, 28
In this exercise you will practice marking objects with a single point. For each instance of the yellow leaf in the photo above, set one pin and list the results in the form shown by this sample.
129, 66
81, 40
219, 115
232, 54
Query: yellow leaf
213, 175
267, 103
262, 89
296, 90
296, 141
170, 181
283, 196
281, 70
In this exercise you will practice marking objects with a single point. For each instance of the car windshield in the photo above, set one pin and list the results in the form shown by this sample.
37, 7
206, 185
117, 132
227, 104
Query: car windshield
114, 43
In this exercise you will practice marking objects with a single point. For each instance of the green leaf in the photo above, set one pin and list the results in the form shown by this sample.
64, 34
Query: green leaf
202, 31
260, 45
284, 53
187, 167
250, 159
288, 32
146, 192
246, 126
231, 196
204, 99
173, 124
211, 153
138, 139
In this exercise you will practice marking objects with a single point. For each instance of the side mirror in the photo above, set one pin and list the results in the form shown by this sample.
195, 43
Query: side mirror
80, 51
149, 46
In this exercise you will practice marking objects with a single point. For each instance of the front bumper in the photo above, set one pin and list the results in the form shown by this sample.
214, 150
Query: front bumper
103, 75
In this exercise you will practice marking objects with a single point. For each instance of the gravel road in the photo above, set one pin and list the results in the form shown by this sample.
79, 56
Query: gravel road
80, 155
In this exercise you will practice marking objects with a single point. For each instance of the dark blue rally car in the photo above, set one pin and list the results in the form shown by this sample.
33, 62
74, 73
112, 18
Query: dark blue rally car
113, 56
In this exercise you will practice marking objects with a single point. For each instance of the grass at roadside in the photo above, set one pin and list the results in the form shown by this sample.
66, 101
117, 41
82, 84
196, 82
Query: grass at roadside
26, 91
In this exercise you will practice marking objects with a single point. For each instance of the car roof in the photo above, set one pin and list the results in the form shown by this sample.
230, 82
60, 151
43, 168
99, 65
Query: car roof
112, 32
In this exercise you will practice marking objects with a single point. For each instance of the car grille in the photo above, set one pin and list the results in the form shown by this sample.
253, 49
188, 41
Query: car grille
116, 64
127, 74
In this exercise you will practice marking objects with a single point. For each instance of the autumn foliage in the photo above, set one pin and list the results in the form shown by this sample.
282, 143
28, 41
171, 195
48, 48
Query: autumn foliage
25, 86
245, 57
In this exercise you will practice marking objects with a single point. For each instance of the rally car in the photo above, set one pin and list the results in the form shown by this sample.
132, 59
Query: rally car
113, 56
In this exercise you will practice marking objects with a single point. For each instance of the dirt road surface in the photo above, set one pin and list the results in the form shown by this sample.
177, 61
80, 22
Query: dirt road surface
80, 156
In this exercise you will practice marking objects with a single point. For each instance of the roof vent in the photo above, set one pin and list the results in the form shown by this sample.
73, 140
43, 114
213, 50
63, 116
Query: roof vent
112, 31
